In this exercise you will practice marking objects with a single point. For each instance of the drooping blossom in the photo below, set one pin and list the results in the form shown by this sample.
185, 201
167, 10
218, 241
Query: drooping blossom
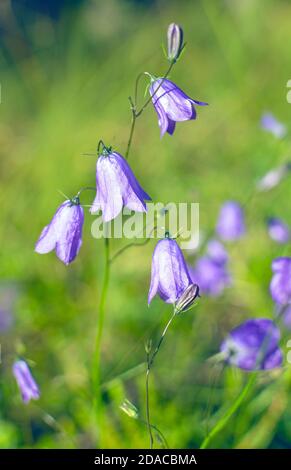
25, 381
271, 124
253, 345
273, 177
231, 223
169, 274
280, 286
64, 232
171, 104
117, 187
278, 230
175, 41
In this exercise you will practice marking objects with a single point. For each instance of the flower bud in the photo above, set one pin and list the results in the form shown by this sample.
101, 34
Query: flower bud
148, 346
187, 299
175, 41
129, 409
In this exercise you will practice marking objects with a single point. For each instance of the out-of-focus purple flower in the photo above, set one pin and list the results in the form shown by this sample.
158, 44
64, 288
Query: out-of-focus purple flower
26, 383
273, 177
253, 345
211, 276
169, 277
271, 124
175, 41
285, 312
280, 286
217, 252
64, 232
278, 230
6, 320
231, 224
116, 187
171, 104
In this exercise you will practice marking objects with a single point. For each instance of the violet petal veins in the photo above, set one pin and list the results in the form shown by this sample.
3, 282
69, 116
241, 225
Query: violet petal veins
169, 276
64, 233
171, 104
117, 187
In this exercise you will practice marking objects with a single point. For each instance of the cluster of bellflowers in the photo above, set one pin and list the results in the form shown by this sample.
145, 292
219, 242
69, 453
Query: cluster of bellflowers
118, 187
252, 345
255, 344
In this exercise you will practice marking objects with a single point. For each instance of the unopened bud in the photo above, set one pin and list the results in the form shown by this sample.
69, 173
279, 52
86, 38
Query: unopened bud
187, 299
129, 409
175, 41
148, 346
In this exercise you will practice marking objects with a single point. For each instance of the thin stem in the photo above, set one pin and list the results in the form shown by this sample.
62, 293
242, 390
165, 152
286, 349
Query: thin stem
129, 245
132, 127
148, 403
86, 188
97, 398
225, 418
150, 361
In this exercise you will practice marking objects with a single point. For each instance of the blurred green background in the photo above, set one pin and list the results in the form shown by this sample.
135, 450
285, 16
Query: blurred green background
67, 69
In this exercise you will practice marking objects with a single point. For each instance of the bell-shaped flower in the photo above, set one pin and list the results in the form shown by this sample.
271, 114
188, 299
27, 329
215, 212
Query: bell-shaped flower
64, 232
171, 104
278, 230
117, 187
231, 224
169, 277
25, 381
253, 345
280, 286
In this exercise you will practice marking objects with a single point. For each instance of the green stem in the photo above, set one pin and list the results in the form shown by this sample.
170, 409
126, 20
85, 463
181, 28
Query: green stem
97, 394
225, 418
150, 361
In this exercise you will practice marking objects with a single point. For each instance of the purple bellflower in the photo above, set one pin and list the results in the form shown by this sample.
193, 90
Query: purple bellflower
271, 124
64, 232
278, 230
280, 286
26, 383
230, 225
171, 104
169, 277
116, 187
253, 345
